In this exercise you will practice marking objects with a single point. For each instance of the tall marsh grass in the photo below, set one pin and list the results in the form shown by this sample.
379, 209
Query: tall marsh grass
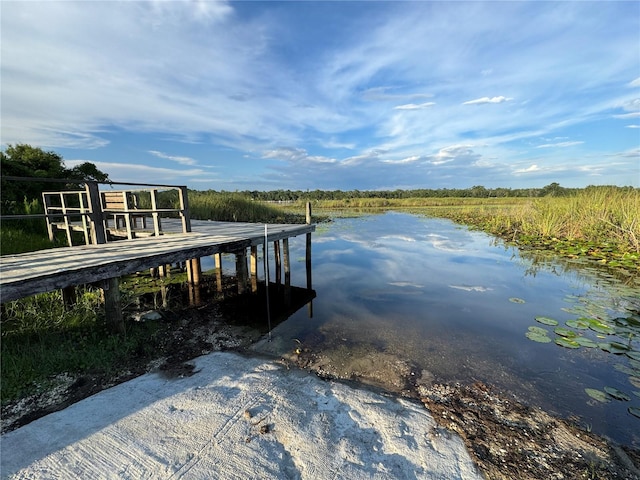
232, 207
596, 215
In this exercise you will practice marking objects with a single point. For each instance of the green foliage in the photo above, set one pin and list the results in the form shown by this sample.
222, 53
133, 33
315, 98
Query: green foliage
42, 339
26, 161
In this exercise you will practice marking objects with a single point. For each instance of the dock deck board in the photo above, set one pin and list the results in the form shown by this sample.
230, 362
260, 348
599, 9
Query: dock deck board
27, 274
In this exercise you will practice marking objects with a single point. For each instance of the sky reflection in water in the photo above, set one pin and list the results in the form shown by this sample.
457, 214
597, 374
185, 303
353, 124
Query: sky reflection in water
444, 299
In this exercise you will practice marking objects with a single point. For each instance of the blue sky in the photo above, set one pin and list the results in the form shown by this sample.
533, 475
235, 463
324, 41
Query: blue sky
329, 95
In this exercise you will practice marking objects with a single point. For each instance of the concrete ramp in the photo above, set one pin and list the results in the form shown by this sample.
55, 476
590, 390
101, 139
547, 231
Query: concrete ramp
236, 417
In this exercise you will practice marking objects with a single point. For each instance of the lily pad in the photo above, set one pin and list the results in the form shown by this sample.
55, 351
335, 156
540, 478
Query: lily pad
617, 394
635, 364
536, 337
598, 395
637, 394
635, 411
585, 342
600, 327
565, 332
566, 342
516, 300
624, 369
613, 347
633, 354
538, 330
547, 321
635, 381
580, 324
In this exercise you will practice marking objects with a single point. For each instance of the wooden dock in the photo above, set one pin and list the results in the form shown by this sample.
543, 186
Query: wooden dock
28, 274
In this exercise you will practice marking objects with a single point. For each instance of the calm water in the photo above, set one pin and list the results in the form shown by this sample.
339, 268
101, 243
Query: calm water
452, 305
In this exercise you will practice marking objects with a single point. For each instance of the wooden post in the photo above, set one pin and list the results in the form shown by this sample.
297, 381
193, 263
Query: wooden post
286, 261
254, 268
241, 270
157, 226
112, 310
69, 297
194, 271
67, 224
278, 263
218, 259
184, 209
50, 226
83, 212
95, 216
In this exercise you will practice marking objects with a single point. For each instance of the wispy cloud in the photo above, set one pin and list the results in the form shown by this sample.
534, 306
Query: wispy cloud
413, 106
173, 158
483, 100
560, 144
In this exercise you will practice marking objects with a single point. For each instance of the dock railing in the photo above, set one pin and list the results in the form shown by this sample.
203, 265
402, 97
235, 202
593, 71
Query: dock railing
104, 214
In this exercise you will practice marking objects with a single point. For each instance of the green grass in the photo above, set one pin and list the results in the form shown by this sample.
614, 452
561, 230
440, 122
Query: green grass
41, 339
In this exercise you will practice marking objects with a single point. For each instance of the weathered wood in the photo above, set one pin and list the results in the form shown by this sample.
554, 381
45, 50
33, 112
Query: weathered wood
98, 234
27, 274
286, 261
112, 309
218, 262
277, 262
69, 297
157, 226
254, 268
241, 270
308, 213
194, 271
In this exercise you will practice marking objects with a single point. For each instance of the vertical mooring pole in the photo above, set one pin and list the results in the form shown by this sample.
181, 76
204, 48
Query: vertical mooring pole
308, 248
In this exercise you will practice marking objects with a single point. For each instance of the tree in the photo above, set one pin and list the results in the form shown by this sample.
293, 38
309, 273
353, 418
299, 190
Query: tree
24, 160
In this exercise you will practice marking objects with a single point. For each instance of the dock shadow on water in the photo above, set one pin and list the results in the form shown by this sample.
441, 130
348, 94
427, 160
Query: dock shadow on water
404, 302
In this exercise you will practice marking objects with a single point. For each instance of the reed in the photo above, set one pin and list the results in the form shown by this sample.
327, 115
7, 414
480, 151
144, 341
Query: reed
235, 207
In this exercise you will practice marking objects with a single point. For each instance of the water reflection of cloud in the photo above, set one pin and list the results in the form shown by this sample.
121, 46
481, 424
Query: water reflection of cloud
472, 288
403, 238
335, 253
441, 242
406, 284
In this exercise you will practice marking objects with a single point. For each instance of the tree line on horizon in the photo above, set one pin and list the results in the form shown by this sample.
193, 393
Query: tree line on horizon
478, 191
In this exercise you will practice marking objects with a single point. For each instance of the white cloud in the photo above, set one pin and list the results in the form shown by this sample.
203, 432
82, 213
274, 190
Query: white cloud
560, 144
628, 115
483, 100
530, 169
633, 126
295, 155
413, 106
180, 160
635, 83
